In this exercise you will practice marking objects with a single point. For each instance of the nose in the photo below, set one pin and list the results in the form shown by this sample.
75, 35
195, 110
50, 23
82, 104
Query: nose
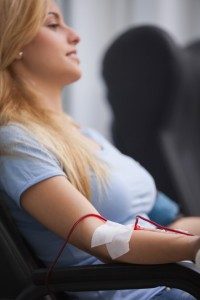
73, 36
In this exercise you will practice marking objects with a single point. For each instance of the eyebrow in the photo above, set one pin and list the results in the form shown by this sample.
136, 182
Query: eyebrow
56, 15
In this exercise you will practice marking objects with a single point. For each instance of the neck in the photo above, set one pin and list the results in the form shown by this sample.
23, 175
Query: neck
49, 91
49, 95
50, 98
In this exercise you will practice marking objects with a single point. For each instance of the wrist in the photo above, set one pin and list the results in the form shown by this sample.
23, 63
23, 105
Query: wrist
196, 252
197, 258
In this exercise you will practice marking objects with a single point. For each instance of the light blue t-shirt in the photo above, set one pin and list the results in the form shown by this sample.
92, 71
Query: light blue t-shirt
130, 191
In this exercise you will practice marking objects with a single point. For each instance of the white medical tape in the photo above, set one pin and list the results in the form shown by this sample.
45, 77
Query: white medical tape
115, 236
197, 258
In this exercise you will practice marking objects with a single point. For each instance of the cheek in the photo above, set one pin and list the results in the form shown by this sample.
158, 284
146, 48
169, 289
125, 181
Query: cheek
43, 52
49, 46
45, 43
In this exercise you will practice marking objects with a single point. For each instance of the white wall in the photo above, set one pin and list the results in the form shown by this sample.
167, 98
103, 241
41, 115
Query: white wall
180, 17
98, 22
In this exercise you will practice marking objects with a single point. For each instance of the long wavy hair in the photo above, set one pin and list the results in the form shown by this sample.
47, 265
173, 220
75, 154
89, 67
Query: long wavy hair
20, 22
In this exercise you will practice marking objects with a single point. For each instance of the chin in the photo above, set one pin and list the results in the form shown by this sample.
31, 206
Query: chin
78, 75
72, 79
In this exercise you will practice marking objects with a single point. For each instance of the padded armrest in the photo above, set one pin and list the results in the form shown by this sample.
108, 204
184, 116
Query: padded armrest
184, 275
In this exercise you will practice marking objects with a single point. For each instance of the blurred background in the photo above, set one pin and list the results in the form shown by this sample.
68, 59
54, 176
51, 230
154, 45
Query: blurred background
98, 23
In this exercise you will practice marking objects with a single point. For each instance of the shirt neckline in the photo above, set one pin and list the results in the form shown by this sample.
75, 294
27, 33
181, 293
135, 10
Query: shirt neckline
86, 131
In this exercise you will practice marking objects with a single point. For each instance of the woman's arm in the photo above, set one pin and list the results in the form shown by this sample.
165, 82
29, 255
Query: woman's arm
150, 247
58, 205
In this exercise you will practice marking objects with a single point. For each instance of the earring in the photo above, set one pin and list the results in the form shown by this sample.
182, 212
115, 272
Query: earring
20, 54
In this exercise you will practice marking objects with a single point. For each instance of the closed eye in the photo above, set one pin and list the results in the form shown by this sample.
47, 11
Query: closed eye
54, 26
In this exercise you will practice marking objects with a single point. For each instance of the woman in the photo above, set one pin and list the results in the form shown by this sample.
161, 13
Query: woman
54, 171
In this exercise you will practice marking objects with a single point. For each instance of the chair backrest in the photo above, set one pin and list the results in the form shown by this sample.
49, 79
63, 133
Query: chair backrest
180, 137
143, 71
16, 261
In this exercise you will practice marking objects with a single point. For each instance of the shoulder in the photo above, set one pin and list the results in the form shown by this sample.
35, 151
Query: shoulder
14, 139
24, 161
10, 130
17, 140
13, 133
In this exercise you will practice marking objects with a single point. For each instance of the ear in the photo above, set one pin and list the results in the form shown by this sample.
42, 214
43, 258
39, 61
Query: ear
19, 56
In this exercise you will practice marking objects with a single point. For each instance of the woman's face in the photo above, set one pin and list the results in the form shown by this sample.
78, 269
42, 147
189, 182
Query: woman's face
52, 56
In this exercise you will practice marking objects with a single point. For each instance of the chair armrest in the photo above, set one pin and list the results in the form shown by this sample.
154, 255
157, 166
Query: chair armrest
183, 275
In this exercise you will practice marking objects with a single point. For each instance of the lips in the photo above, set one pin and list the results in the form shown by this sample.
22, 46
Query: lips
72, 52
73, 55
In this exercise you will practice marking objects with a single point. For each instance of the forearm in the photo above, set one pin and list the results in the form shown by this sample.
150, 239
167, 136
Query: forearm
148, 247
190, 224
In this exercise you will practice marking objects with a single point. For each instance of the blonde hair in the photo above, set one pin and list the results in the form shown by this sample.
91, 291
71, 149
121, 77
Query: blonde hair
20, 22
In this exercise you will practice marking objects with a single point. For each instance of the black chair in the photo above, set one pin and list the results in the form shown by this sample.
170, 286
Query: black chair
179, 137
22, 275
153, 88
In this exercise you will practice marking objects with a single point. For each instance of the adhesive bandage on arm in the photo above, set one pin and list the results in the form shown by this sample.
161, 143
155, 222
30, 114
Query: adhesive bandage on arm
115, 236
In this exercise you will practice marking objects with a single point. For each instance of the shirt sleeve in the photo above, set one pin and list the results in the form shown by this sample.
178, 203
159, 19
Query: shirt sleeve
27, 163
